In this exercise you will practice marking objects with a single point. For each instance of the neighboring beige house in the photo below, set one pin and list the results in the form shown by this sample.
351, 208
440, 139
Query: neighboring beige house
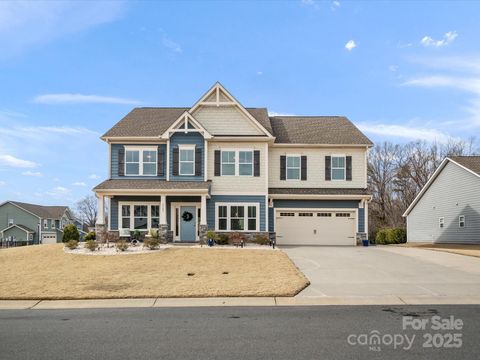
219, 165
447, 209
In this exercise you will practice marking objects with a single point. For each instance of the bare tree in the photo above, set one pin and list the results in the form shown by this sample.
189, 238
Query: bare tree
87, 210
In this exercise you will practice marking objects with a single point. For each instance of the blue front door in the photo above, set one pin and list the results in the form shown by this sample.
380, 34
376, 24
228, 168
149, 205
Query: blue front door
188, 221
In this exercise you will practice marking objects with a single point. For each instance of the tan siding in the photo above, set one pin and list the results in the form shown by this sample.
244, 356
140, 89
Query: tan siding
454, 192
240, 184
316, 168
225, 120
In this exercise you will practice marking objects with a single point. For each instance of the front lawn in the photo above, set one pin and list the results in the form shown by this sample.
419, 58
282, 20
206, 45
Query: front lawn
460, 249
46, 272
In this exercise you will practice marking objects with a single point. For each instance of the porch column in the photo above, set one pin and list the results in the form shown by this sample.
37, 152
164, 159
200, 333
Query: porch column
101, 210
163, 209
365, 211
203, 227
203, 211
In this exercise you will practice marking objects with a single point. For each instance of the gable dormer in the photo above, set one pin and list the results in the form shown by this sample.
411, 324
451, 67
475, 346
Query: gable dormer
222, 115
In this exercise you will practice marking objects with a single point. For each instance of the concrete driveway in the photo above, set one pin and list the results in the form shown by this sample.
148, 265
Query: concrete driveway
384, 271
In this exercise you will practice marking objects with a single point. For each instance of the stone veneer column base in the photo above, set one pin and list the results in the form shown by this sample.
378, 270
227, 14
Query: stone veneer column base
99, 230
163, 233
202, 231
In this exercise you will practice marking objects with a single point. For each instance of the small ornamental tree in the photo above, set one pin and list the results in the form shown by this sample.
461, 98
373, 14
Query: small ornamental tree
70, 232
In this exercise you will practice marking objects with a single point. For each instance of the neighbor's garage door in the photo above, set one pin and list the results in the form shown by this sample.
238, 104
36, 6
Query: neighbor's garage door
49, 239
315, 227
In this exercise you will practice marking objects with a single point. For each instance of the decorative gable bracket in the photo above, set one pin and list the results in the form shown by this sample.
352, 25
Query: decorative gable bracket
186, 123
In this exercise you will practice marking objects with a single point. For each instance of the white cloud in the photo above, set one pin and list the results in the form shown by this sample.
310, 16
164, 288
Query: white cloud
405, 132
311, 3
393, 68
350, 45
335, 5
2, 183
12, 161
94, 177
259, 72
79, 183
169, 43
68, 98
58, 192
24, 24
447, 39
32, 173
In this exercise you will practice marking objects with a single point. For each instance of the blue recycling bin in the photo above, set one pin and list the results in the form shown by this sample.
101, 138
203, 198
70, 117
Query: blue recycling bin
365, 242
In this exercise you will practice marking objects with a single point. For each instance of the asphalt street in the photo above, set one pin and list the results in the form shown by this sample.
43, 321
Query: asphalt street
321, 332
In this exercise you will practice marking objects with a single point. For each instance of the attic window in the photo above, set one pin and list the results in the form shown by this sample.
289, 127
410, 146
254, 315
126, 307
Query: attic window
461, 221
10, 222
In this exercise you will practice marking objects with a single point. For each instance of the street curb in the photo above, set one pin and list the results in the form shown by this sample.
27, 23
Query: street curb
236, 301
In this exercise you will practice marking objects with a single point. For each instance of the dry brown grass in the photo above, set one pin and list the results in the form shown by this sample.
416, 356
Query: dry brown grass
461, 249
46, 272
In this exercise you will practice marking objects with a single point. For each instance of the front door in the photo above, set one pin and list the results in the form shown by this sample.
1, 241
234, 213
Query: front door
188, 221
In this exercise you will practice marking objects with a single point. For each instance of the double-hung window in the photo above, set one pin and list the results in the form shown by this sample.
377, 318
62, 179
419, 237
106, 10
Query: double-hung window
141, 161
45, 224
228, 163
461, 221
245, 166
293, 167
338, 167
10, 222
140, 217
155, 216
186, 160
237, 217
125, 217
441, 222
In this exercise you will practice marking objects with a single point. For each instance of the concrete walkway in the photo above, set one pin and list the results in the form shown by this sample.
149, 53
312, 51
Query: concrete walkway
235, 301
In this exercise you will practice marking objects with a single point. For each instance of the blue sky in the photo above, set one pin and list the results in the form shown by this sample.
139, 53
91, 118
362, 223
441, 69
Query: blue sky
68, 71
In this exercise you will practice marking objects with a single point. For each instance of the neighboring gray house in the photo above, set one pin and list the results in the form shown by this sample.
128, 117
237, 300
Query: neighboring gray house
447, 210
34, 224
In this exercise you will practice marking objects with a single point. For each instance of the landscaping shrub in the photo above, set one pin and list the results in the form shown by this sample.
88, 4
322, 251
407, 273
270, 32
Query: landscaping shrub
153, 233
211, 235
90, 236
222, 239
122, 245
91, 245
72, 244
261, 240
70, 232
151, 243
388, 236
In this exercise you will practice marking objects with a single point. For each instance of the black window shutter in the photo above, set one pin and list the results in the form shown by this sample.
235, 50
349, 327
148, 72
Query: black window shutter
217, 162
328, 168
121, 161
256, 163
348, 173
198, 162
283, 167
160, 161
304, 168
175, 161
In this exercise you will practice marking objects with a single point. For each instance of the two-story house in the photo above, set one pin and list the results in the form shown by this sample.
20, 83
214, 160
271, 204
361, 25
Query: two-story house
218, 165
33, 224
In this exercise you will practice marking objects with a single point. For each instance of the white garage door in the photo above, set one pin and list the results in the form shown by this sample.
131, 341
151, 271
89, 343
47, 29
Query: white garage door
315, 227
49, 239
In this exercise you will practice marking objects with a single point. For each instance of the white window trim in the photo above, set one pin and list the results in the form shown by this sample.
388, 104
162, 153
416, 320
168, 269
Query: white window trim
245, 216
289, 167
45, 224
141, 149
186, 147
11, 222
460, 221
237, 161
132, 217
53, 223
173, 213
441, 222
344, 166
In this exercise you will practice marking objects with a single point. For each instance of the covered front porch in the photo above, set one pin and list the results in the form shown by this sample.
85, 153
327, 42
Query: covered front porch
179, 214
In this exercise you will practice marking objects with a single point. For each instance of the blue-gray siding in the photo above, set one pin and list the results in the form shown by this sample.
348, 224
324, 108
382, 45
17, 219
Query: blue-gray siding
190, 139
114, 162
233, 199
318, 204
454, 192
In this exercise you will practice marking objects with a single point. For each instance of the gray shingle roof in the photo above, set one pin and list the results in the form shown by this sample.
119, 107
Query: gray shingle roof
317, 130
45, 212
317, 191
155, 121
470, 162
26, 228
151, 184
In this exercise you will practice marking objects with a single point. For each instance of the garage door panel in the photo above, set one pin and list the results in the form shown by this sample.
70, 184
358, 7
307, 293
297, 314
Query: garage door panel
49, 239
315, 227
